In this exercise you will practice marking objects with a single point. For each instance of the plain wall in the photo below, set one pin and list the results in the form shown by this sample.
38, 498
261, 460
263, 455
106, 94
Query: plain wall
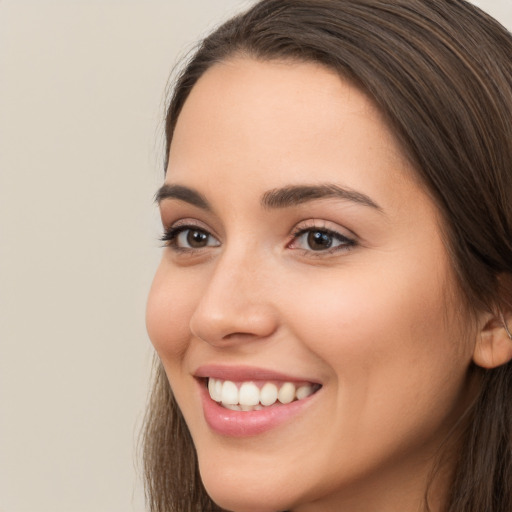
81, 101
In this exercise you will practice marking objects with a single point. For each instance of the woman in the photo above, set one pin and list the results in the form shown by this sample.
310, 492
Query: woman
333, 304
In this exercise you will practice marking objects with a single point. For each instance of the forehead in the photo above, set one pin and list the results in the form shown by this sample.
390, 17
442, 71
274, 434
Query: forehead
282, 120
243, 96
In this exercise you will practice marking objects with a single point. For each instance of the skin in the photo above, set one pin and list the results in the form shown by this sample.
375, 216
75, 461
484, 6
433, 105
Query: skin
377, 322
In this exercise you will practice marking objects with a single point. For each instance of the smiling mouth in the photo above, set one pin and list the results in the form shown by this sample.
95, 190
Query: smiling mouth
257, 395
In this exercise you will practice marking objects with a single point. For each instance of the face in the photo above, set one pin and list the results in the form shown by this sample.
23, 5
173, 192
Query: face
304, 272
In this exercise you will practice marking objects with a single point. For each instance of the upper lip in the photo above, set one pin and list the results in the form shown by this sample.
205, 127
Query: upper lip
247, 373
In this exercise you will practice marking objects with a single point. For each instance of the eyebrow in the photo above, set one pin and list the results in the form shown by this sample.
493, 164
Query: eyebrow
277, 198
294, 195
188, 195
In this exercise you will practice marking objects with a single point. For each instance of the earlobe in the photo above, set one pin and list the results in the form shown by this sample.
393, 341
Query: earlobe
493, 347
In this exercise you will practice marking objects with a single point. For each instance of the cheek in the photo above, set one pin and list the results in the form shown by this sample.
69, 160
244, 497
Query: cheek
382, 300
361, 313
395, 370
169, 309
384, 330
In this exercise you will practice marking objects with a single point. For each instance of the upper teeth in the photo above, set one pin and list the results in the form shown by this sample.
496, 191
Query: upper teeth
248, 396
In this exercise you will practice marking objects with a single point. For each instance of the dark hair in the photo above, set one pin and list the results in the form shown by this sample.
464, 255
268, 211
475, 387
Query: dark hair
441, 73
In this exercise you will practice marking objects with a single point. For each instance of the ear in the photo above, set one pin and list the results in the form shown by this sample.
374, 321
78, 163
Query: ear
493, 346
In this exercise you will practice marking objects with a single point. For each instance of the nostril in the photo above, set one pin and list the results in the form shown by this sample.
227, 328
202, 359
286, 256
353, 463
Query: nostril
238, 322
240, 335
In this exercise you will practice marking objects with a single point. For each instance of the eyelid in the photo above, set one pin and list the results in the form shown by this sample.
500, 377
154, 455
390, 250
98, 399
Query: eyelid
323, 225
348, 238
172, 231
189, 222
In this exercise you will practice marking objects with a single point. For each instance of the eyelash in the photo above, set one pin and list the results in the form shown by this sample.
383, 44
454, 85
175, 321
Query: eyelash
346, 243
170, 239
170, 236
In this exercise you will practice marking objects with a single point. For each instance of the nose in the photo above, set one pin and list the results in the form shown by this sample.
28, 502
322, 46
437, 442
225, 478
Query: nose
236, 305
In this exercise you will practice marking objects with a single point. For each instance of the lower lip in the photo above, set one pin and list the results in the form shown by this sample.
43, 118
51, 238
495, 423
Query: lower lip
249, 423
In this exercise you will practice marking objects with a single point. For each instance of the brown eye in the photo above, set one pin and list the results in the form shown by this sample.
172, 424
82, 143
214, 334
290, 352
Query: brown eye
194, 238
319, 240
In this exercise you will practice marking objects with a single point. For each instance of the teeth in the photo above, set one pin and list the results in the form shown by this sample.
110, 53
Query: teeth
215, 389
249, 397
286, 393
251, 407
229, 393
233, 407
268, 394
218, 390
304, 391
249, 394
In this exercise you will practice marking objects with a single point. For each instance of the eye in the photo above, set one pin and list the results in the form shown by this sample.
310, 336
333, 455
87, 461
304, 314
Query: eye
320, 240
189, 238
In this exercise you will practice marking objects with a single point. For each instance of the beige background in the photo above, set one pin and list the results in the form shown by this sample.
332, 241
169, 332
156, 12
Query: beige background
81, 96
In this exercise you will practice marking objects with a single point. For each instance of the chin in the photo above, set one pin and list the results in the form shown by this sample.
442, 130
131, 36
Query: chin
244, 494
243, 500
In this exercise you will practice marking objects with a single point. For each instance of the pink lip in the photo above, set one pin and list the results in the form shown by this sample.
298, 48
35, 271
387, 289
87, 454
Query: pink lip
247, 423
246, 373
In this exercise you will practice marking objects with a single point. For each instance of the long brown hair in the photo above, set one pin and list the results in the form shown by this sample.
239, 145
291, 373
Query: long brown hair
441, 73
